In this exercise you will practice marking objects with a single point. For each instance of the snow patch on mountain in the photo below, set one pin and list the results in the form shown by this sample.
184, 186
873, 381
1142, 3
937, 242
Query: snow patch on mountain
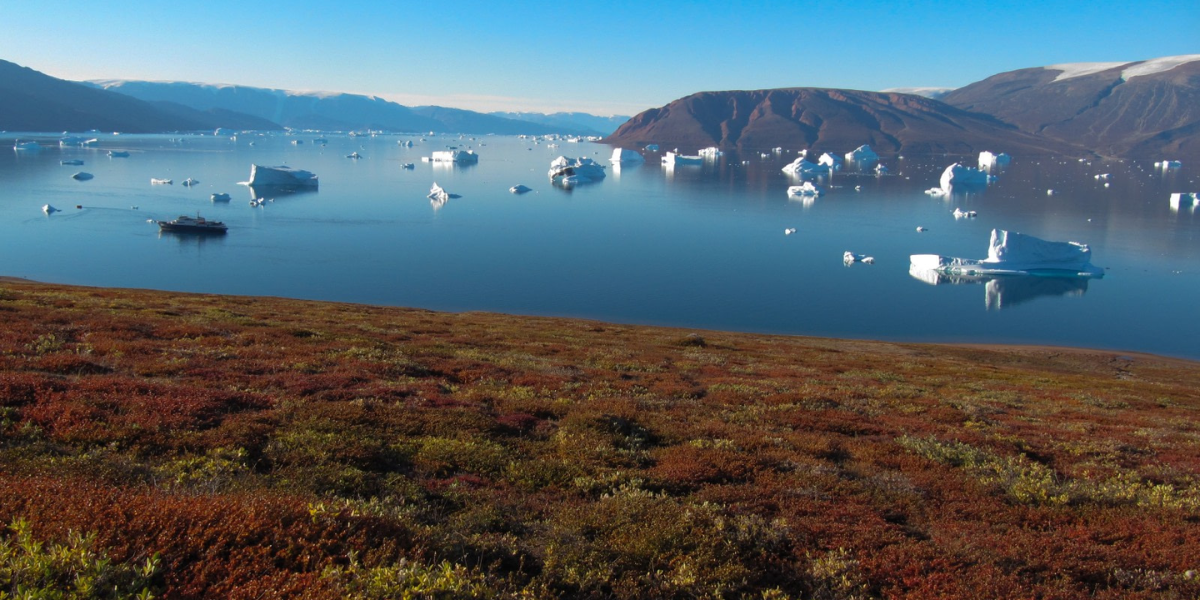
1072, 70
1158, 65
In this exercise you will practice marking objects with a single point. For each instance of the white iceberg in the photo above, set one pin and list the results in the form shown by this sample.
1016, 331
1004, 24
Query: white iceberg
219, 197
189, 182
1168, 164
405, 143
672, 159
46, 208
82, 176
863, 153
801, 167
850, 258
438, 194
408, 166
1184, 200
964, 214
805, 189
569, 171
623, 155
958, 177
154, 181
830, 161
989, 161
458, 157
880, 169
280, 176
1011, 253
519, 189
354, 155
710, 153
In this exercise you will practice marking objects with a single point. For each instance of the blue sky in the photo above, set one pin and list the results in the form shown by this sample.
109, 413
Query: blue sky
610, 57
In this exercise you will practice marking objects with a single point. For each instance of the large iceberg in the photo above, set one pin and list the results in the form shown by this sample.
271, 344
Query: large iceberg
863, 153
958, 177
570, 171
1011, 253
458, 157
280, 176
623, 155
989, 161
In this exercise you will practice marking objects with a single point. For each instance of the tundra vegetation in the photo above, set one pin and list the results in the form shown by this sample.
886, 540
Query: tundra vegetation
172, 445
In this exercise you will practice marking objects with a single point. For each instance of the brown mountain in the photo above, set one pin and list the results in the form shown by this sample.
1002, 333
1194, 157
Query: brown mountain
826, 120
1136, 109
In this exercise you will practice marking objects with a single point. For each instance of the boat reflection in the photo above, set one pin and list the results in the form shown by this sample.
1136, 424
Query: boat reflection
1007, 291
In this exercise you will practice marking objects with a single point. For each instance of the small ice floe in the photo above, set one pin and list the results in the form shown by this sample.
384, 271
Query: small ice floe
1106, 184
789, 231
1049, 192
46, 208
1168, 164
189, 182
805, 189
964, 214
118, 154
936, 192
297, 142
75, 162
850, 258
519, 189
921, 229
408, 166
82, 176
863, 153
671, 159
154, 181
1101, 176
405, 143
880, 169
858, 188
711, 152
764, 155
355, 155
989, 161
1185, 200
220, 197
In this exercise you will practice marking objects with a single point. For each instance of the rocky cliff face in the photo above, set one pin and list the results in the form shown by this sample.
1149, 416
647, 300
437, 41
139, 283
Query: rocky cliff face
824, 120
1137, 109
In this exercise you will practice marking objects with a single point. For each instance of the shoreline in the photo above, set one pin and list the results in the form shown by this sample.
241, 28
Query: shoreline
1032, 350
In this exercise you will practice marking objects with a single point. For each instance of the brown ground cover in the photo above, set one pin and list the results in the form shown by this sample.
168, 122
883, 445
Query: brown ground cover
258, 448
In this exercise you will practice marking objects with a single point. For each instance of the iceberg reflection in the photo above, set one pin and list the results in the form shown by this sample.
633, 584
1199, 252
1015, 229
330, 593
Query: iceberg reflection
1006, 291
267, 192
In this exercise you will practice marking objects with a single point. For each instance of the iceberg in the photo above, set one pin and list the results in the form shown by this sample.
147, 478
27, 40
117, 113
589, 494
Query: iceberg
46, 208
1185, 200
880, 169
280, 176
829, 161
519, 189
221, 131
82, 176
622, 155
26, 146
569, 171
863, 153
1011, 253
989, 161
154, 181
671, 159
438, 194
850, 258
219, 197
1168, 164
801, 167
189, 182
964, 214
354, 155
405, 143
118, 154
710, 153
458, 157
806, 189
963, 178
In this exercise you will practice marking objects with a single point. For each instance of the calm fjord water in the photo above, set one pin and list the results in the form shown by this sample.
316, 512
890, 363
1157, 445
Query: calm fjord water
699, 247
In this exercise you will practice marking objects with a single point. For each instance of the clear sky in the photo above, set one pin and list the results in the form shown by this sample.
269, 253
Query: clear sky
606, 57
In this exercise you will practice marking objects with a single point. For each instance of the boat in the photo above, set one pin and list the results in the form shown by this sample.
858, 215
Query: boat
196, 224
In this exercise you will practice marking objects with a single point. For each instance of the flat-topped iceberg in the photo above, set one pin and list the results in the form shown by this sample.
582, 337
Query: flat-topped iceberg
568, 171
989, 161
863, 153
624, 155
458, 157
806, 189
280, 176
963, 178
710, 152
671, 159
1011, 253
